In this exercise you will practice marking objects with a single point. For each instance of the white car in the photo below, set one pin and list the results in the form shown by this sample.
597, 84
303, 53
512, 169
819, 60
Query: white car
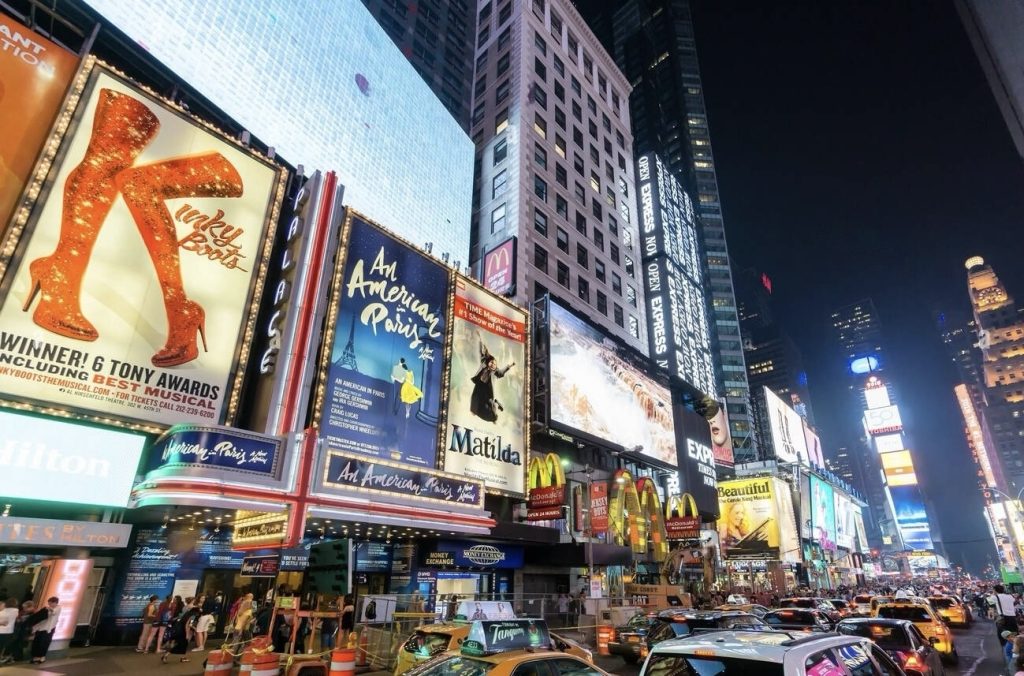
737, 599
739, 653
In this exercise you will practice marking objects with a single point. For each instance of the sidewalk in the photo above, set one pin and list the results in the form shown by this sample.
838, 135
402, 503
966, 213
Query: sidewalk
109, 661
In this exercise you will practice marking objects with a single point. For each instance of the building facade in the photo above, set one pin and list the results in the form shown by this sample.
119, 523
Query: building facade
555, 165
437, 38
654, 46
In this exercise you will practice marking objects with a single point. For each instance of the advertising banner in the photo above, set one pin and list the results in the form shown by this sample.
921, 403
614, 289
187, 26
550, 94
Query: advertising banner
90, 465
35, 76
755, 523
898, 468
721, 437
787, 429
68, 580
697, 461
597, 391
823, 513
813, 445
209, 451
921, 563
911, 516
889, 443
383, 386
845, 525
60, 533
260, 566
599, 508
500, 268
883, 420
862, 535
373, 557
485, 433
547, 488
381, 478
142, 262
453, 554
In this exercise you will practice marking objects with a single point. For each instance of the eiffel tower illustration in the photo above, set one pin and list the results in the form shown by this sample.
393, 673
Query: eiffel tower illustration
347, 360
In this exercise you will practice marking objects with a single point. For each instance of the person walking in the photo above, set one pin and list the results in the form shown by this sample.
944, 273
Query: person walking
563, 609
149, 617
1006, 614
164, 615
240, 623
177, 640
44, 623
8, 622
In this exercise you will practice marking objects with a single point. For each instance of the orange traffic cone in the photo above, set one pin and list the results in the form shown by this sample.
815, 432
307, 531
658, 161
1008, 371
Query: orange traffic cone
219, 663
343, 662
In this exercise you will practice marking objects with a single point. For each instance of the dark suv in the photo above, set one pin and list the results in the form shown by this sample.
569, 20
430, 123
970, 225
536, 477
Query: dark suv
676, 623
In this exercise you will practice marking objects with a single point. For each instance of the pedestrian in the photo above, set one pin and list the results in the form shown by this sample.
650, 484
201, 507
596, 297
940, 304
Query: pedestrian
329, 627
242, 619
177, 642
563, 609
1006, 614
348, 616
206, 619
149, 615
164, 615
8, 623
1018, 666
22, 631
191, 618
1009, 641
43, 623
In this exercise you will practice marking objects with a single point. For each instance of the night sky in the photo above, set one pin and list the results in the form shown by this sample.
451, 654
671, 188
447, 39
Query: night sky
860, 153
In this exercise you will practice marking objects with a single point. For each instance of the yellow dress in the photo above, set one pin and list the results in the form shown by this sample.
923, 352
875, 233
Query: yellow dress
410, 394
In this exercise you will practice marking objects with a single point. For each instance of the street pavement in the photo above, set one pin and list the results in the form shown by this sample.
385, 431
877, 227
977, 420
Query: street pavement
978, 647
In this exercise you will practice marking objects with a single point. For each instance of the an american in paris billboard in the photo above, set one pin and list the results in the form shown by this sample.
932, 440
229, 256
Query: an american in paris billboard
140, 266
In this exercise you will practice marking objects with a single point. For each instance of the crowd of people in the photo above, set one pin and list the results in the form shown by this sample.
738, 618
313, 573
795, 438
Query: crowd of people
26, 628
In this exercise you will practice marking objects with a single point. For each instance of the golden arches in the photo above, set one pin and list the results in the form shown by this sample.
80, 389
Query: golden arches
634, 512
546, 471
676, 506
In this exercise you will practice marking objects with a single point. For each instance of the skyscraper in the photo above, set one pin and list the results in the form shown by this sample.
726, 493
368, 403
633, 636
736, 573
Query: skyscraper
653, 44
1000, 330
437, 38
554, 165
995, 28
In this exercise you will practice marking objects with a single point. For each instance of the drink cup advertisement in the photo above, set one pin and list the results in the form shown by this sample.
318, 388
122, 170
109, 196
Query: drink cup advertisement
140, 265
486, 392
387, 357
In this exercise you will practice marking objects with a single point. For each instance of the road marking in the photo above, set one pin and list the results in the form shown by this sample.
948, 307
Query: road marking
981, 650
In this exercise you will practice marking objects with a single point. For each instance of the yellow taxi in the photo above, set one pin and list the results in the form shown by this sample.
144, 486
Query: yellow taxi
920, 612
430, 640
951, 610
504, 647
755, 609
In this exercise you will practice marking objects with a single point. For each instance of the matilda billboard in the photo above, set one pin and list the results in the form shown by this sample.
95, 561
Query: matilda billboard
388, 317
484, 434
140, 265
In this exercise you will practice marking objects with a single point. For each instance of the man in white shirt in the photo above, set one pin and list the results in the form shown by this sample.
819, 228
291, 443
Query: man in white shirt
8, 617
44, 622
1006, 613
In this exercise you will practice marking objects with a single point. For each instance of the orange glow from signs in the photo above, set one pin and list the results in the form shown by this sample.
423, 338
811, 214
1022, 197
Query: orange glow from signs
68, 580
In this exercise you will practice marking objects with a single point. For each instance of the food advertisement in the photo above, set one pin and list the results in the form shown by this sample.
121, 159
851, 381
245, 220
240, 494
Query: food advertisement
597, 391
139, 265
383, 389
484, 437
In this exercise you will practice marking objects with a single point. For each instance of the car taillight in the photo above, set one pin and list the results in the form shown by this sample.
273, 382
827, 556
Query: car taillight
912, 661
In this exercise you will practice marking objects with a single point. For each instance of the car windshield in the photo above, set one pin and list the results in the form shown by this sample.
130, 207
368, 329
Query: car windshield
789, 618
690, 665
838, 603
886, 636
427, 643
638, 622
457, 665
943, 603
912, 613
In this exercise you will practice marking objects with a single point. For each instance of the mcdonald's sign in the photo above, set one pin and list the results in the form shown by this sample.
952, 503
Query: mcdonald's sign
547, 488
635, 516
678, 524
499, 274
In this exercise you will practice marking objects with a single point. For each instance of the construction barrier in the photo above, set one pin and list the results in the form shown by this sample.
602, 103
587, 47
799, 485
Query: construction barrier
219, 663
343, 662
306, 665
363, 651
604, 635
259, 664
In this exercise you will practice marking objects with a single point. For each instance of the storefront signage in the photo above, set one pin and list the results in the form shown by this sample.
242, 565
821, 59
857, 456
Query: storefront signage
469, 555
183, 219
636, 518
682, 520
485, 436
62, 461
388, 319
259, 529
547, 488
260, 566
599, 508
59, 533
37, 72
347, 472
697, 461
500, 268
68, 580
373, 557
234, 451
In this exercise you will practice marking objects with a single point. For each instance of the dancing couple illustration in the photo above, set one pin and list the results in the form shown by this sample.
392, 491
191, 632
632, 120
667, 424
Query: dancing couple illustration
122, 128
482, 402
405, 390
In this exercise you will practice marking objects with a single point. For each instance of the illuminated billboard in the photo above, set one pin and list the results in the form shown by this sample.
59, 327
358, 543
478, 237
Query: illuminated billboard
813, 445
861, 365
823, 513
882, 420
911, 516
787, 429
862, 535
485, 435
898, 468
889, 443
876, 393
721, 437
921, 562
141, 265
387, 341
36, 74
677, 314
598, 390
846, 527
61, 461
757, 520
975, 435
326, 86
